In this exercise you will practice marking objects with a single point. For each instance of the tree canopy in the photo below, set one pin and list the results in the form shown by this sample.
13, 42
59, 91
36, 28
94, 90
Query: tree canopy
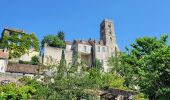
56, 40
146, 65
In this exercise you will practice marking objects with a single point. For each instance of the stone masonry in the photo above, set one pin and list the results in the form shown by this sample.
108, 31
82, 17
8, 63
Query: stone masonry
88, 51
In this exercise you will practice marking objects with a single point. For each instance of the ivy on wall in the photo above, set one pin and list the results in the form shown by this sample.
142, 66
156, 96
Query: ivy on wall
19, 43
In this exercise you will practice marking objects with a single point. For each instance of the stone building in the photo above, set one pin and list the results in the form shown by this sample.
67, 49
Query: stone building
87, 51
7, 32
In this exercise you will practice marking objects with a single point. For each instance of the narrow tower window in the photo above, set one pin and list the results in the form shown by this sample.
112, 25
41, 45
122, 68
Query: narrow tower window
85, 48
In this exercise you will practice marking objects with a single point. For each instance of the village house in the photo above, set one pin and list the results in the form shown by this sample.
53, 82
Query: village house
88, 51
12, 65
7, 32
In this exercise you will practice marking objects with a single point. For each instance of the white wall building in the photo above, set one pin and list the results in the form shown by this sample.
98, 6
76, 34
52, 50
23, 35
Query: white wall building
87, 51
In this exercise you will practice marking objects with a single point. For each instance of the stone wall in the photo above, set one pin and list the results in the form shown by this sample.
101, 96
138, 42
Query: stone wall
52, 55
28, 56
102, 54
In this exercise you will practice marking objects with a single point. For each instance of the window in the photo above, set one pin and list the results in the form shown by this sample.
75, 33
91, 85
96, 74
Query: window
31, 47
19, 35
2, 68
98, 49
85, 48
109, 25
10, 33
18, 44
9, 42
103, 49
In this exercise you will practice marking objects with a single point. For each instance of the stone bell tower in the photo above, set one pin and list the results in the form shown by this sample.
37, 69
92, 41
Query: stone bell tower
107, 35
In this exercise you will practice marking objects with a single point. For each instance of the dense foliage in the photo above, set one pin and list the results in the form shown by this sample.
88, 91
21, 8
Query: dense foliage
16, 92
98, 64
19, 43
66, 84
54, 40
61, 35
35, 60
147, 66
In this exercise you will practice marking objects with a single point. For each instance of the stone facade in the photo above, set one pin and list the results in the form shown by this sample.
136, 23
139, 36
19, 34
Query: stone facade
25, 57
52, 55
88, 51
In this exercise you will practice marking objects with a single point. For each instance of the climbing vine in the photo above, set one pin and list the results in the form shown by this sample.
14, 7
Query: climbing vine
19, 43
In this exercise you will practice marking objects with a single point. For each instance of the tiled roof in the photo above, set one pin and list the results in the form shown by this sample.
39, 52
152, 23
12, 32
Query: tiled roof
22, 68
14, 30
3, 55
82, 42
99, 43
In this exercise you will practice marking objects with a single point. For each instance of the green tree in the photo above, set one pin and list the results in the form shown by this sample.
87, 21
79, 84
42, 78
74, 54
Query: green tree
147, 65
61, 35
61, 69
98, 64
54, 41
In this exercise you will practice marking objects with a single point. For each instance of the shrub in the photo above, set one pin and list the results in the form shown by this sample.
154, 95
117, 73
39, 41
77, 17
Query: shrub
24, 62
35, 60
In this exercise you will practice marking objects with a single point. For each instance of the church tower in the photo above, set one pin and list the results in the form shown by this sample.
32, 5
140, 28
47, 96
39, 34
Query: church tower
107, 35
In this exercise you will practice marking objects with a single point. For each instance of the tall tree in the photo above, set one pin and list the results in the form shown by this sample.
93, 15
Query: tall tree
147, 65
61, 35
62, 66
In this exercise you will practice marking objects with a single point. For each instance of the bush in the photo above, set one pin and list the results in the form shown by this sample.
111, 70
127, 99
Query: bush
54, 41
35, 60
24, 62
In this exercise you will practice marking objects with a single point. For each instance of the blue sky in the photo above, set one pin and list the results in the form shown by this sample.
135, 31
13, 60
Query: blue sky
80, 19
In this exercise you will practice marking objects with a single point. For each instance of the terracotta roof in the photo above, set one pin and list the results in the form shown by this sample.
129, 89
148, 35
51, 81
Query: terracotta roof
14, 30
22, 68
99, 43
82, 42
3, 55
